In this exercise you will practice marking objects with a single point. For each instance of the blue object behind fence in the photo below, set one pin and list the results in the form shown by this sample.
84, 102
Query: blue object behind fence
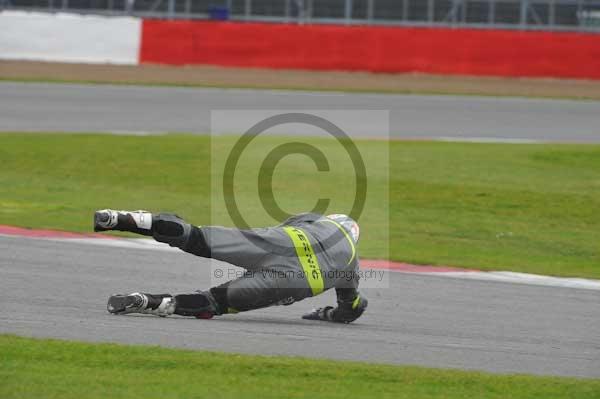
218, 13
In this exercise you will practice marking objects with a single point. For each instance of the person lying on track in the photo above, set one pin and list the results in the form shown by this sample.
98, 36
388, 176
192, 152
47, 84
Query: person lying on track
304, 256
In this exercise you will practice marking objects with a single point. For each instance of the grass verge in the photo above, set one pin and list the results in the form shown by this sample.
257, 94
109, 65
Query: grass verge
421, 91
236, 77
31, 368
520, 207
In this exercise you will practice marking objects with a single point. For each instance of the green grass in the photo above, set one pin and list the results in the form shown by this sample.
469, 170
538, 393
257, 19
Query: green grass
31, 368
520, 207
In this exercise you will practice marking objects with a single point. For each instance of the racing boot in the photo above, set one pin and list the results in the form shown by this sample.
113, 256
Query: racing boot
133, 221
200, 304
159, 305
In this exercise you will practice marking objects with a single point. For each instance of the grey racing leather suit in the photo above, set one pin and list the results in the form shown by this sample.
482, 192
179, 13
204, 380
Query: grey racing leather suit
304, 256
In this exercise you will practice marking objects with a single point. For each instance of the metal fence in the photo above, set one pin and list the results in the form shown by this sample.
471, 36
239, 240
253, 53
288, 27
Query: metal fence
582, 15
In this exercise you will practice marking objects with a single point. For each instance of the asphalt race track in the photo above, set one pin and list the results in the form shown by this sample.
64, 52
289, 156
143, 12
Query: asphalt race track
136, 109
58, 289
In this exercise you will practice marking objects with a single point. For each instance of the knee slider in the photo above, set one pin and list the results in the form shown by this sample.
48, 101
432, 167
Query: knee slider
170, 229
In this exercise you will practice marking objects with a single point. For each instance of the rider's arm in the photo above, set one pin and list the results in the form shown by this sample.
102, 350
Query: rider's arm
350, 305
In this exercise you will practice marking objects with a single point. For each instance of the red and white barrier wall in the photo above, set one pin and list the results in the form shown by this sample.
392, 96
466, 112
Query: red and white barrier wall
314, 47
69, 38
376, 49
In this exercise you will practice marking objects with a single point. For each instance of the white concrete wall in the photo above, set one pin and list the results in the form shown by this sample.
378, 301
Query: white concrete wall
65, 37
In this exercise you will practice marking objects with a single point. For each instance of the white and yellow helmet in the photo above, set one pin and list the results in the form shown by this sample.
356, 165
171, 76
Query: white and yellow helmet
348, 224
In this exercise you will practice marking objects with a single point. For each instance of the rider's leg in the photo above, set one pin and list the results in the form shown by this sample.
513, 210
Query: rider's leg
199, 304
244, 248
164, 227
254, 291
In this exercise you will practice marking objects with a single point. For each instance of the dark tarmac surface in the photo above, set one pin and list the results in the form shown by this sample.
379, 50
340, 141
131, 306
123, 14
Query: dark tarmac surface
59, 289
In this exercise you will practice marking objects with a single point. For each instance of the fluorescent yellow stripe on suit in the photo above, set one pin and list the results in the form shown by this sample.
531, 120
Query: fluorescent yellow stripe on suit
308, 259
346, 234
